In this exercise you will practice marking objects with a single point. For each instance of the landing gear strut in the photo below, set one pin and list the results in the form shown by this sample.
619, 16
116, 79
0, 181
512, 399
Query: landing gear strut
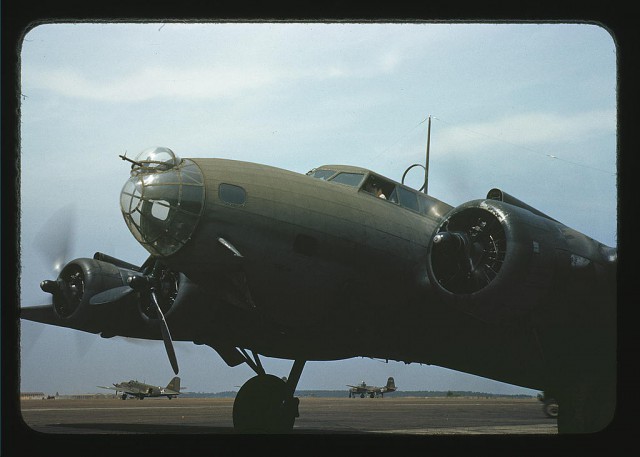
265, 403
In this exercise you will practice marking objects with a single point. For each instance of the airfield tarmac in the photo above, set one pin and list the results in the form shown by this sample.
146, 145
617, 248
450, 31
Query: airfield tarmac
379, 416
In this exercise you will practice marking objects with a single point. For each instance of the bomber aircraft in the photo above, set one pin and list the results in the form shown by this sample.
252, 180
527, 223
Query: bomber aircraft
254, 260
363, 389
140, 390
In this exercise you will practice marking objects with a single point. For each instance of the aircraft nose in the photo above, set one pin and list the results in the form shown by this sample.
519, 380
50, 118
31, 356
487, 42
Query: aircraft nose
163, 200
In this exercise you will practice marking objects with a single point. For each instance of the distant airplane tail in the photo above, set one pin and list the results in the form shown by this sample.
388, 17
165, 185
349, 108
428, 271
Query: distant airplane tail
391, 384
174, 384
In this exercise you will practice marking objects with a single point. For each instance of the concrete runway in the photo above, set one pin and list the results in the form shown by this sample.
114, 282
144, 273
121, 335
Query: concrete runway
378, 416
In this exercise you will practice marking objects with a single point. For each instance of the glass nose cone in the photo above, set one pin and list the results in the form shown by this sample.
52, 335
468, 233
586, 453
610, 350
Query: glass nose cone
163, 200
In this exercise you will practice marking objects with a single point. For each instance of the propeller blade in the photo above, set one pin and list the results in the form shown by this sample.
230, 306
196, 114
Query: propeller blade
110, 295
166, 335
55, 240
83, 343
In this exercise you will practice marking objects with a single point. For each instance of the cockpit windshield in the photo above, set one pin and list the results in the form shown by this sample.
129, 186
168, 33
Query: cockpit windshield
323, 174
349, 178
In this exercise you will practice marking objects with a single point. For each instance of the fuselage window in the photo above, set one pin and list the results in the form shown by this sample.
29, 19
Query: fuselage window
350, 179
234, 195
322, 174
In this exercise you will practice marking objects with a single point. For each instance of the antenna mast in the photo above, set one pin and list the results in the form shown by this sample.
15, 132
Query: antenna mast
426, 168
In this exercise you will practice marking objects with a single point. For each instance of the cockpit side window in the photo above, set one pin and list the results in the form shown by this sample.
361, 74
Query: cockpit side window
388, 190
379, 187
408, 199
424, 204
321, 174
394, 195
350, 179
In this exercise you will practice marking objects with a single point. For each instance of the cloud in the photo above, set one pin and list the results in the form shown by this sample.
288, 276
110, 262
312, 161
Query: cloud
524, 130
154, 82
251, 61
205, 83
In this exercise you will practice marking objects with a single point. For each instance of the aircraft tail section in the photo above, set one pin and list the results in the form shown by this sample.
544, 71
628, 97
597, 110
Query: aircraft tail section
391, 384
174, 384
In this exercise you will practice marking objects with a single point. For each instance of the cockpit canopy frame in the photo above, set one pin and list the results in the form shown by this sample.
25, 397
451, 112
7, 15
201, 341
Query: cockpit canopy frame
376, 185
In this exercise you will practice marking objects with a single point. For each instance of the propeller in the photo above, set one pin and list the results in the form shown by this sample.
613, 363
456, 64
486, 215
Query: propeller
166, 335
55, 243
468, 259
150, 284
55, 240
458, 245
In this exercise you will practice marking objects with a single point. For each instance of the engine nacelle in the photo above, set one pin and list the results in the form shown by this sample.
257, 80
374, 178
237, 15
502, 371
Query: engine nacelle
79, 281
500, 259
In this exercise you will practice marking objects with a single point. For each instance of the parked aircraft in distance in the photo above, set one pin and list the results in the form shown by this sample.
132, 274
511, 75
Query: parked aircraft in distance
140, 390
363, 389
253, 260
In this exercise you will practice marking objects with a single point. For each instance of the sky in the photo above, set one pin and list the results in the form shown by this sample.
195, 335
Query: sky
529, 108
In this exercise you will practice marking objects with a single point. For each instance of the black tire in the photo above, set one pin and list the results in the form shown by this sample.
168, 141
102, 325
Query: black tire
550, 408
263, 405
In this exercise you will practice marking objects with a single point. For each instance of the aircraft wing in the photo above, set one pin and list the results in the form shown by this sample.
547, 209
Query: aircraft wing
46, 315
122, 321
128, 390
358, 388
106, 306
111, 388
135, 391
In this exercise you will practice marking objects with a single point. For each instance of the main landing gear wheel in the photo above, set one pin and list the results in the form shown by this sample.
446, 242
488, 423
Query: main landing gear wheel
550, 408
264, 405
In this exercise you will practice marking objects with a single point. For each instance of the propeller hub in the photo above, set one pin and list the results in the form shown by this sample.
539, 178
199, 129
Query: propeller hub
468, 252
50, 287
139, 283
449, 240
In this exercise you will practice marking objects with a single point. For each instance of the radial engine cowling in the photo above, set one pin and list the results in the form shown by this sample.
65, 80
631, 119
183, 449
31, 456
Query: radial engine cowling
79, 281
500, 259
